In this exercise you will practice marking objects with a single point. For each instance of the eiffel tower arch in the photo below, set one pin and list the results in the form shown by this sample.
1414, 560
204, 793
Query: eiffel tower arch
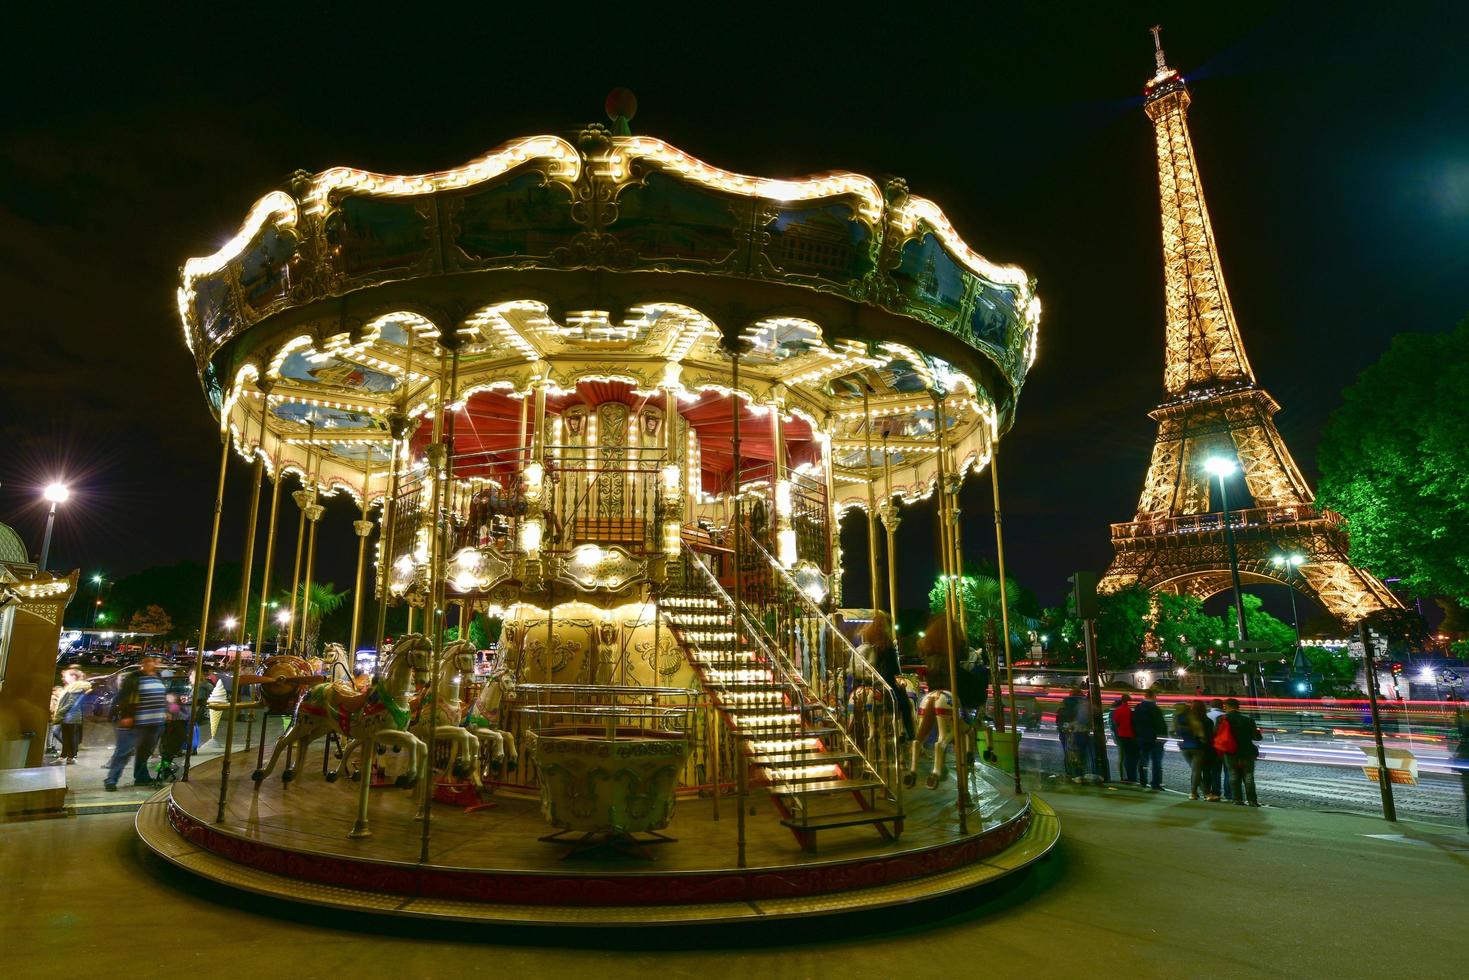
1214, 407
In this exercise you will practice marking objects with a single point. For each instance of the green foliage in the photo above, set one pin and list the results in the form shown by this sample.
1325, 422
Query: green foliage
151, 620
324, 600
1394, 461
1263, 628
1122, 622
1181, 623
1334, 671
980, 595
484, 631
178, 588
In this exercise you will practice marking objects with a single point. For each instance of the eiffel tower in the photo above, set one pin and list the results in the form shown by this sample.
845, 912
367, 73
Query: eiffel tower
1213, 407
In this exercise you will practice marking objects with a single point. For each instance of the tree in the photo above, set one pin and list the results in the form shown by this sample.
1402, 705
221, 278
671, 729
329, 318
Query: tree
980, 595
1394, 461
325, 600
1122, 622
484, 630
1180, 623
151, 620
1277, 637
1334, 671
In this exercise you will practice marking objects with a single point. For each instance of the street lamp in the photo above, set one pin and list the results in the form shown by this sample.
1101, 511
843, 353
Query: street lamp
56, 493
1291, 562
1221, 468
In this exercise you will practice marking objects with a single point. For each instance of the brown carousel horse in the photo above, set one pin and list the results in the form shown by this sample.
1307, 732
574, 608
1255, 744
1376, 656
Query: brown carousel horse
357, 716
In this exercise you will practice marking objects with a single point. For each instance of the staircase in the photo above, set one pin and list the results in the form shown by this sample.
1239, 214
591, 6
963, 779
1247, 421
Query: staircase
797, 745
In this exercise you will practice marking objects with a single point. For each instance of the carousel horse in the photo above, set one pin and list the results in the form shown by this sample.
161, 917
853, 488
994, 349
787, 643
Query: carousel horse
441, 711
937, 708
333, 655
356, 717
488, 715
872, 718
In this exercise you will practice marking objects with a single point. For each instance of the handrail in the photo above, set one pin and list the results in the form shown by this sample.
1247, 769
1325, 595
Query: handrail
794, 677
815, 610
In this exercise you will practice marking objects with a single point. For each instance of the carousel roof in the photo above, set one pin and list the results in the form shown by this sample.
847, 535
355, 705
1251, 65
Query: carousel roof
614, 269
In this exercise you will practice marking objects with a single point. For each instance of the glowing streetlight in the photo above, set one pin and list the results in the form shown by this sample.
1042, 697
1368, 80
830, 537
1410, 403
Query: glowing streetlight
56, 493
1291, 563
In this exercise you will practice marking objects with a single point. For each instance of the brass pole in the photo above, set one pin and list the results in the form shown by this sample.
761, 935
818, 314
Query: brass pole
956, 545
961, 762
872, 569
302, 497
890, 525
363, 527
275, 500
195, 705
313, 515
385, 539
247, 562
1005, 611
441, 459
741, 769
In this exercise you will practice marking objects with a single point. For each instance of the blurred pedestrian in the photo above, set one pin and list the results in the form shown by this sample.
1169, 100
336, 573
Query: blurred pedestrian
879, 649
1218, 782
1235, 737
1074, 722
1150, 729
70, 712
1121, 723
1195, 733
142, 709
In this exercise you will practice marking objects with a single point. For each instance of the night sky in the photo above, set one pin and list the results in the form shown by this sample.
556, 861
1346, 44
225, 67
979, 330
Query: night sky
1333, 147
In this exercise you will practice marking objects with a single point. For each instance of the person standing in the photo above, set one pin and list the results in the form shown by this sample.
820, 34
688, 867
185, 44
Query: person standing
1150, 729
1218, 782
1195, 734
1074, 722
1120, 720
70, 713
142, 709
1236, 738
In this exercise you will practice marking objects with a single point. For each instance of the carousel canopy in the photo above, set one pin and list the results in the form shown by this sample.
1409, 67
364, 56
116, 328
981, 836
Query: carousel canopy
617, 270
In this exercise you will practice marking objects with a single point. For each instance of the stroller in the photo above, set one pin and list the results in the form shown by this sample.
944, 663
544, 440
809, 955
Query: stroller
176, 732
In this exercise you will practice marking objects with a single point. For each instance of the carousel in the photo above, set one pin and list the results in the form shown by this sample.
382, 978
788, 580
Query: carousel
600, 408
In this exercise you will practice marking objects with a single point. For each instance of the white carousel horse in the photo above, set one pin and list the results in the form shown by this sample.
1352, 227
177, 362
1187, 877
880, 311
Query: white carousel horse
441, 711
487, 717
335, 654
421, 651
937, 707
872, 718
378, 714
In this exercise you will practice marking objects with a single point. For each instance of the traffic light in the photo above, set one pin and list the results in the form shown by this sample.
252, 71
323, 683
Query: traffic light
1397, 669
1084, 594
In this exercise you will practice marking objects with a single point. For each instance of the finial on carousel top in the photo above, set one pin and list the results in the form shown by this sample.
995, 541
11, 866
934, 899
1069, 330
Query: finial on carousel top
621, 106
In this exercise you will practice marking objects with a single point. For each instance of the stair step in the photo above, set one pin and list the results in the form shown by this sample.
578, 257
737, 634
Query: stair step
761, 708
785, 777
814, 757
847, 818
829, 786
753, 687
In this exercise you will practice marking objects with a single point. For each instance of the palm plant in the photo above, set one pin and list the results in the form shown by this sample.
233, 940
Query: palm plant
323, 601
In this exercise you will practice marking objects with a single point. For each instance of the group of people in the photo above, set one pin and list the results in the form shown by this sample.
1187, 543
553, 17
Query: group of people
1217, 740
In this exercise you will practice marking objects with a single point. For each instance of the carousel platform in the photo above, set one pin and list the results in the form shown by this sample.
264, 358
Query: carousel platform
491, 866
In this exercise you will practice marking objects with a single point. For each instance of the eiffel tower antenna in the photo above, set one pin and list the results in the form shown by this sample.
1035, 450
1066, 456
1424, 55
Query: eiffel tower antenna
1213, 406
1157, 30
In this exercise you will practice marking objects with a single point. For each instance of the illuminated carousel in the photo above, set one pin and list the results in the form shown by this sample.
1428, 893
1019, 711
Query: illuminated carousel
615, 400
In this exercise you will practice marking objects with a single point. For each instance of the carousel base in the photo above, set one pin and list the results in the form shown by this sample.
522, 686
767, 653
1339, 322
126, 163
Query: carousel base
491, 866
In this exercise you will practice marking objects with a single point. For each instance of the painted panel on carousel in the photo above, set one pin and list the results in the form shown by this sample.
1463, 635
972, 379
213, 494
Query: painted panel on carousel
334, 373
664, 218
931, 280
323, 417
263, 268
374, 235
218, 313
993, 315
528, 216
823, 242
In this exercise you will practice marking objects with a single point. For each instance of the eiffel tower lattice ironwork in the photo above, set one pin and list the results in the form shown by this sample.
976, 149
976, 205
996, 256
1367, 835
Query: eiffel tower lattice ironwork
1213, 407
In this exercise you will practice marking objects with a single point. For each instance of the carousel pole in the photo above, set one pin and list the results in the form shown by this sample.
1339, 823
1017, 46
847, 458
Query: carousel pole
302, 497
363, 527
961, 761
1005, 611
313, 512
247, 562
435, 615
956, 543
387, 533
872, 568
194, 703
275, 500
538, 455
890, 526
742, 788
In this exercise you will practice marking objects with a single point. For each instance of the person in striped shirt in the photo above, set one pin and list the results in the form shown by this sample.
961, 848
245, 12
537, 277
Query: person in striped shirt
142, 708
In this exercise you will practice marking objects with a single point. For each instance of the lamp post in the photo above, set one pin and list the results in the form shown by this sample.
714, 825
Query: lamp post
1291, 562
56, 493
282, 618
1221, 468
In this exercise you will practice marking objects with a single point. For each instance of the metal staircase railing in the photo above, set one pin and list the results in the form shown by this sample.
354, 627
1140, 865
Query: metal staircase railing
802, 745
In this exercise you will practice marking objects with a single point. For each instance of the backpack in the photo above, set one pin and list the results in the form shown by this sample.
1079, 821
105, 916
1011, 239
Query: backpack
1224, 738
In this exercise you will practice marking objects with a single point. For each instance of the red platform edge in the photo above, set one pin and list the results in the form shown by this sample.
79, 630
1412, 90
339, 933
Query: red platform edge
600, 888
